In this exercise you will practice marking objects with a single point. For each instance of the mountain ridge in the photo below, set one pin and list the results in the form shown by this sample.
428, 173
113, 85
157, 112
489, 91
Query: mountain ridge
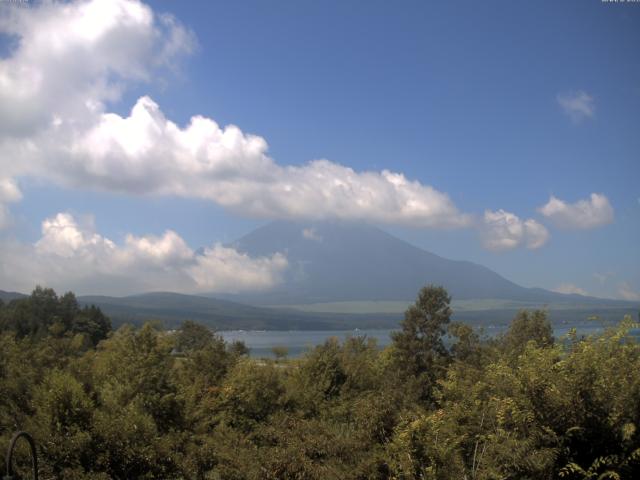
336, 261
172, 309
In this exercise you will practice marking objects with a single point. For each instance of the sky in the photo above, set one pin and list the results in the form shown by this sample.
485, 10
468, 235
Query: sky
137, 140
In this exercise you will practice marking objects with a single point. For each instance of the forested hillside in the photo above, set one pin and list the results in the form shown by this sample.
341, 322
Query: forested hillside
146, 403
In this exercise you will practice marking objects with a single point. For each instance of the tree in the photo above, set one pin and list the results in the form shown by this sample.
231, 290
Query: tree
238, 348
418, 349
321, 374
468, 347
280, 352
526, 327
91, 322
193, 336
251, 392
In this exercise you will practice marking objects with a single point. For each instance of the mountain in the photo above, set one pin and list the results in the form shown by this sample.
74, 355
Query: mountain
8, 296
338, 262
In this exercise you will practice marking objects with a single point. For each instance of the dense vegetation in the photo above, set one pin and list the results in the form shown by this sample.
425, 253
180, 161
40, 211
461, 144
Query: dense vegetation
144, 403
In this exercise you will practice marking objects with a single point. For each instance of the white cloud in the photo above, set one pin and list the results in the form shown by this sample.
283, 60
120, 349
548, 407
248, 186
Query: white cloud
577, 105
73, 256
311, 234
222, 267
536, 234
9, 191
505, 231
73, 59
147, 154
167, 251
570, 288
584, 214
626, 292
62, 236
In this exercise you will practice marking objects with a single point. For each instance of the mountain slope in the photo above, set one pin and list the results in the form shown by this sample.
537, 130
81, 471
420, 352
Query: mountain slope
8, 296
333, 262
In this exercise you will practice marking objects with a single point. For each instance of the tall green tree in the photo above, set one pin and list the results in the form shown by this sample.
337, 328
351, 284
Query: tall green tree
418, 349
528, 327
193, 336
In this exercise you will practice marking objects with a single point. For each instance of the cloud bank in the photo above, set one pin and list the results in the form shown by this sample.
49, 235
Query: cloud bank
145, 153
71, 255
584, 214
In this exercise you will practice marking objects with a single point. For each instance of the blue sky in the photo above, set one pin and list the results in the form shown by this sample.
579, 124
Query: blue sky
498, 106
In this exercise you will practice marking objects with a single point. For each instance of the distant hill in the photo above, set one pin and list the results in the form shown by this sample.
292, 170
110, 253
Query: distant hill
172, 309
338, 262
8, 296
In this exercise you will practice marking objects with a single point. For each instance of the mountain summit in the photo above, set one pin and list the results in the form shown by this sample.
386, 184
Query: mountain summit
335, 261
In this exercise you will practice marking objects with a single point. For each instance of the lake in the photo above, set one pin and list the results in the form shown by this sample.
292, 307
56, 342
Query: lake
261, 342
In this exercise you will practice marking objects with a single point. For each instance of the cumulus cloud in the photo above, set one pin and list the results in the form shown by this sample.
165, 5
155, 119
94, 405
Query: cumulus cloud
71, 255
63, 237
627, 292
577, 105
167, 251
589, 213
222, 266
74, 59
147, 154
570, 288
503, 230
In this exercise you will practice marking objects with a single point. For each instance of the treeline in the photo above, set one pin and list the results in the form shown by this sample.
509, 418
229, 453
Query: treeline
44, 314
145, 403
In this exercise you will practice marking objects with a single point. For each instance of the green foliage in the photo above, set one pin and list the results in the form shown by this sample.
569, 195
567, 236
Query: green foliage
528, 327
193, 336
62, 421
144, 403
422, 447
44, 314
249, 394
280, 352
321, 374
468, 347
419, 351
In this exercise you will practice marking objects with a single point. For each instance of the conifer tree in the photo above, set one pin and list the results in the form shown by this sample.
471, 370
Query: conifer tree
418, 348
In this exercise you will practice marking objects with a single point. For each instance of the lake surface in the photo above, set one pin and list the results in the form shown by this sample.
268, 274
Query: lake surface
298, 342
